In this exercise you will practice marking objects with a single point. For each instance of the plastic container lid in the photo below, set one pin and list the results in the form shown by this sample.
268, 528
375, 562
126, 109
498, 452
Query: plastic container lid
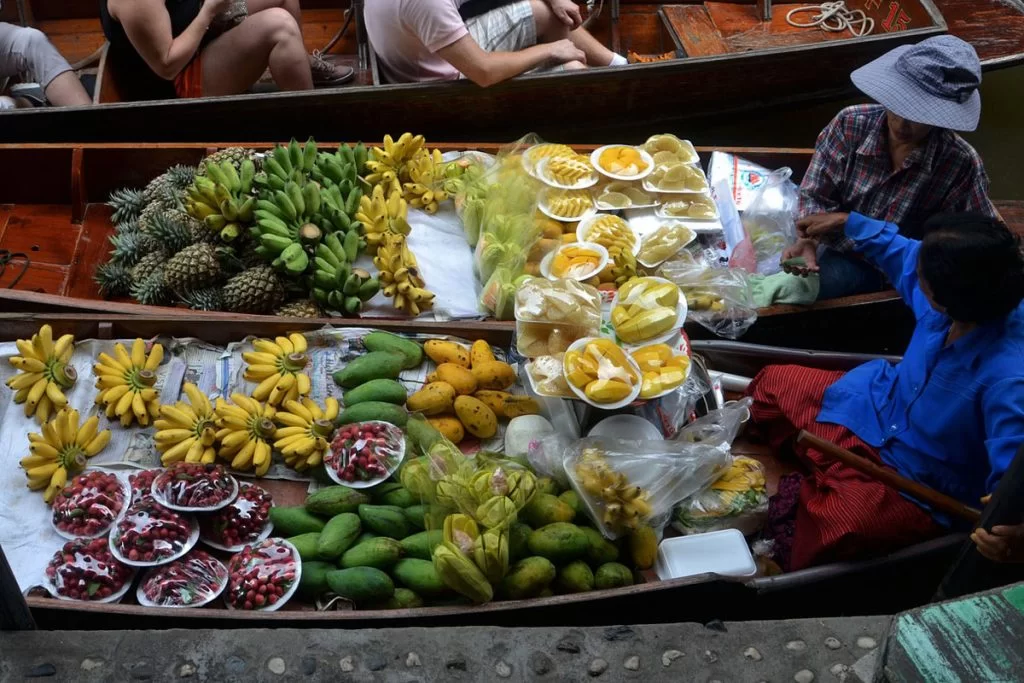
718, 552
628, 427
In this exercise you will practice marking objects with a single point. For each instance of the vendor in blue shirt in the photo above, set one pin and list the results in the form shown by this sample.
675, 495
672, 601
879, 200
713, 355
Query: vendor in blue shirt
950, 415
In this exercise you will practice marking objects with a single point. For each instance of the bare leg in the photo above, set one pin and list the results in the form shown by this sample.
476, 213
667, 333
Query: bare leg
550, 28
236, 60
597, 54
292, 6
66, 91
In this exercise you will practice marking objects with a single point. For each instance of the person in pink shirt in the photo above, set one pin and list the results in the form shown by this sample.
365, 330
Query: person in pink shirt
428, 40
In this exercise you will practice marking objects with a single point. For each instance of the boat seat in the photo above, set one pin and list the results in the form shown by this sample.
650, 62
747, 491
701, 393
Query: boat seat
693, 30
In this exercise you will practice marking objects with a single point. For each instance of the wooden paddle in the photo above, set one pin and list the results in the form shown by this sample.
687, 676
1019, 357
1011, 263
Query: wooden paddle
939, 501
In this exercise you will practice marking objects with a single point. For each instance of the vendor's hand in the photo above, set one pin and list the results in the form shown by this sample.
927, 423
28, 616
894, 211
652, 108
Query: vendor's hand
1003, 544
563, 51
804, 248
821, 224
568, 12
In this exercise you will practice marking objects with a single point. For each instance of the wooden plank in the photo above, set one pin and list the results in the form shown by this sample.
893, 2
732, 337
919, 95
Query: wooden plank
43, 231
695, 31
93, 249
40, 277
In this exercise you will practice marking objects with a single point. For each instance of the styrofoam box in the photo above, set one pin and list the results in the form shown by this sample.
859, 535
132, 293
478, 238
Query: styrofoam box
718, 552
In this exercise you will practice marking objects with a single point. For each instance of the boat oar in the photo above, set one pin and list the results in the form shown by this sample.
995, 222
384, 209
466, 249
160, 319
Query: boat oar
938, 501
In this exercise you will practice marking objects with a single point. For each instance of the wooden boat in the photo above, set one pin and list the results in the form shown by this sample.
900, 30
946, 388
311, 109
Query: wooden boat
880, 585
63, 226
719, 58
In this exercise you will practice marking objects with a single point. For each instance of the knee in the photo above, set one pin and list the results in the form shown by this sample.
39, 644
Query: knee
574, 66
280, 24
548, 26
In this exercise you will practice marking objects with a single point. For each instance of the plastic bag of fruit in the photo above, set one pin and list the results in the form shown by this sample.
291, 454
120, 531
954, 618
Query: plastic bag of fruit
149, 534
770, 221
89, 504
719, 427
85, 569
736, 500
263, 576
628, 484
192, 581
719, 299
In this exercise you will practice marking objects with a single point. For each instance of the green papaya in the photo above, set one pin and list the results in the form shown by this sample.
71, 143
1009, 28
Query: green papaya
385, 520
559, 542
398, 496
338, 535
392, 343
402, 599
601, 550
527, 578
373, 410
547, 485
364, 537
421, 545
306, 544
421, 435
292, 521
378, 552
612, 575
361, 584
420, 576
544, 509
334, 500
313, 581
373, 365
416, 515
383, 390
572, 499
518, 541
575, 577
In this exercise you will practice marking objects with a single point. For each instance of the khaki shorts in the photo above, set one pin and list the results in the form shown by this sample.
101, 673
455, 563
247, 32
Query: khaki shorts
27, 55
508, 29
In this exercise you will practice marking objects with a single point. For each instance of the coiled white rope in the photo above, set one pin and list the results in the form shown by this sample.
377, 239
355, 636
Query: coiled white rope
834, 17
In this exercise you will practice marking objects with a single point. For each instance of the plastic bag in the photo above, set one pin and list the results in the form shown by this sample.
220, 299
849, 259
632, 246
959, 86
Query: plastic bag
627, 484
737, 500
141, 483
89, 504
194, 486
718, 299
85, 569
717, 429
245, 520
552, 314
192, 581
770, 222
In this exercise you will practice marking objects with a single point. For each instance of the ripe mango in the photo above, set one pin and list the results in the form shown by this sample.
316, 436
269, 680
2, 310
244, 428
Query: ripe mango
480, 353
476, 417
433, 399
449, 426
441, 351
459, 377
494, 375
608, 391
648, 324
643, 546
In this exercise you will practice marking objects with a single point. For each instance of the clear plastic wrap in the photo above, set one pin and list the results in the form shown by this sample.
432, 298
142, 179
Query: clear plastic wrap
601, 373
365, 453
194, 487
85, 569
150, 534
245, 520
552, 314
719, 299
628, 484
89, 505
142, 483
719, 427
193, 581
770, 220
263, 576
547, 378
664, 243
736, 500
647, 310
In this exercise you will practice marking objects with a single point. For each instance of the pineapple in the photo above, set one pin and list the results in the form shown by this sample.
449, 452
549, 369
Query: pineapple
150, 263
129, 247
127, 204
150, 290
128, 225
148, 213
193, 267
236, 155
208, 299
256, 290
168, 189
169, 229
113, 279
302, 308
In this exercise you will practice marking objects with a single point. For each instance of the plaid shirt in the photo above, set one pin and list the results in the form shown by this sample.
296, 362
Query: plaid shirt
851, 170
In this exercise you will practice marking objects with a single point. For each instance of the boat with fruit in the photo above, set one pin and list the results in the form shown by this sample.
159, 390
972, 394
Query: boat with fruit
691, 60
63, 239
473, 568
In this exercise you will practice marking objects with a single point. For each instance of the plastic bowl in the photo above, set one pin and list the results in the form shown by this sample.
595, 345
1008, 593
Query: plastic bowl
628, 427
581, 394
595, 158
545, 265
581, 184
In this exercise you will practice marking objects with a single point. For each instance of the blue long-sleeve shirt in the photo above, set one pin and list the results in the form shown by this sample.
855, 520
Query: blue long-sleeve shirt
950, 417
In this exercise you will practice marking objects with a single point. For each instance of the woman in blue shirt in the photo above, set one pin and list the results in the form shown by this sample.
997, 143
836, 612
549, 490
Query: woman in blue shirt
950, 415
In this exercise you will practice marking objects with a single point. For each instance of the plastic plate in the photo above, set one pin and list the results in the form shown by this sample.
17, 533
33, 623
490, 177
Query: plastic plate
140, 594
595, 157
578, 345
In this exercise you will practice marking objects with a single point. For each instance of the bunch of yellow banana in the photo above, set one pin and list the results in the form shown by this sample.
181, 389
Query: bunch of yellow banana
305, 432
626, 506
386, 165
624, 267
61, 451
400, 276
425, 172
245, 432
126, 383
380, 215
278, 368
44, 373
186, 432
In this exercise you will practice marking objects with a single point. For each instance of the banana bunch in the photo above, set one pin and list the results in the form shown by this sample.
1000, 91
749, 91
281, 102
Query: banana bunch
342, 168
380, 214
278, 368
43, 373
304, 434
287, 163
223, 199
624, 267
424, 189
386, 166
126, 383
186, 431
285, 226
625, 506
61, 451
245, 431
336, 283
400, 276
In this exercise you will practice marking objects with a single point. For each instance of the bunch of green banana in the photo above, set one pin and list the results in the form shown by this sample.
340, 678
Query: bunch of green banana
287, 163
223, 199
287, 225
342, 168
336, 283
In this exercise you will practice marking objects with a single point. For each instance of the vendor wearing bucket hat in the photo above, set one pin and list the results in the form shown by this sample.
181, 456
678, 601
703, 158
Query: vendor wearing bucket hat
899, 160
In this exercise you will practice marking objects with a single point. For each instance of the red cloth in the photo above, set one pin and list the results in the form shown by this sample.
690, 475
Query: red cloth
189, 83
843, 514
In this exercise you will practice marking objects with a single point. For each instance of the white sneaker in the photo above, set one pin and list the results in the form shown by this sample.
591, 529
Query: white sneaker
7, 103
